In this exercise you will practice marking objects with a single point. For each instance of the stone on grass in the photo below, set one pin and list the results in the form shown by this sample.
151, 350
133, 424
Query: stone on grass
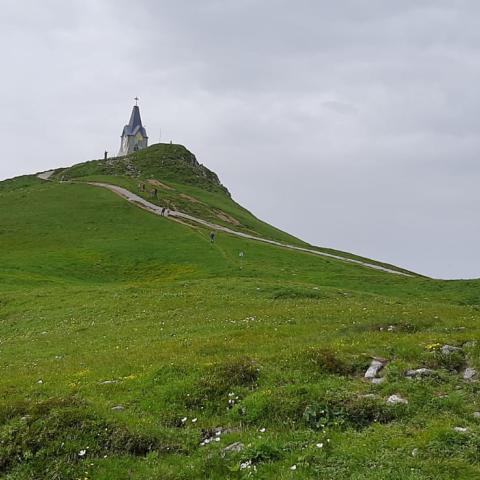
448, 349
378, 381
461, 429
118, 408
396, 400
419, 373
469, 374
234, 447
476, 414
373, 369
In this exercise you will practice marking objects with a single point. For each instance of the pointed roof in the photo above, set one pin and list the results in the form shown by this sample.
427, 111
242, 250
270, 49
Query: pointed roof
135, 124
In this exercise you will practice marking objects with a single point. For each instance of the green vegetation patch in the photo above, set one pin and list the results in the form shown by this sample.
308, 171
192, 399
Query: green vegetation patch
57, 435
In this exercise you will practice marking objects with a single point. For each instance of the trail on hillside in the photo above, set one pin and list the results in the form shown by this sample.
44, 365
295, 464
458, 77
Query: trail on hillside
157, 210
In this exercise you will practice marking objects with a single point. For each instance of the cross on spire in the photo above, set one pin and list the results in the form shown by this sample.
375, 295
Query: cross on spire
136, 101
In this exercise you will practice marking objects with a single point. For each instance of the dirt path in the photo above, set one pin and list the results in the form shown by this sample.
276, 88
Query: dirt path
146, 205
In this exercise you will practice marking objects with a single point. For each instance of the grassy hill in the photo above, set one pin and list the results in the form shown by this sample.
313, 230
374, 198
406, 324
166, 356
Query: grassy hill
132, 347
170, 175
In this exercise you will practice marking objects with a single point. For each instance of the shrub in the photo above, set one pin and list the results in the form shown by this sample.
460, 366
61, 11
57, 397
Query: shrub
355, 412
315, 409
326, 360
220, 379
453, 362
56, 430
261, 453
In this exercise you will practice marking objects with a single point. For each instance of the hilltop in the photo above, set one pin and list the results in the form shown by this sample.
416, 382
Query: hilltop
132, 347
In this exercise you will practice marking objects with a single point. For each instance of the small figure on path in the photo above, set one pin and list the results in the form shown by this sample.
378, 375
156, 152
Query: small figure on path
162, 213
213, 236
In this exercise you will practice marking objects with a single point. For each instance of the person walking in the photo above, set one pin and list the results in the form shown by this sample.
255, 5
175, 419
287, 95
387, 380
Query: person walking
213, 236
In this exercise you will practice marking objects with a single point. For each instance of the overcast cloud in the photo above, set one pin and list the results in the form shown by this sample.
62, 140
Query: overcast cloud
351, 124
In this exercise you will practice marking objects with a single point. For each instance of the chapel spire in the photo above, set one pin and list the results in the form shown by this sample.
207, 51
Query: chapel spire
134, 136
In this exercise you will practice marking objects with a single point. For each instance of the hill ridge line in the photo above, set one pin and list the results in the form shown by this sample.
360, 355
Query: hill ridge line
157, 210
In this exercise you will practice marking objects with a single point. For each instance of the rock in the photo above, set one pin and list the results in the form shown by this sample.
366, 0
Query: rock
373, 369
233, 447
108, 382
448, 349
476, 414
378, 381
414, 452
461, 429
470, 374
118, 408
396, 400
419, 373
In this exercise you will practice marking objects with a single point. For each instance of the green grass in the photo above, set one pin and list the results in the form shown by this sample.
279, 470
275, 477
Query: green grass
185, 186
95, 290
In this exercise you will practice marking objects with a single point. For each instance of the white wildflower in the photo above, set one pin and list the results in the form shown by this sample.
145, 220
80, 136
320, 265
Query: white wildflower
247, 464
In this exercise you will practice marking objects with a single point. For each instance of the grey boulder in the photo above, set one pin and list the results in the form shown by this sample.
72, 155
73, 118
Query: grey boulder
419, 373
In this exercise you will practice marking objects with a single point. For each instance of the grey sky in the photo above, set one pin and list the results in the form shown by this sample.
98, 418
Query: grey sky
353, 124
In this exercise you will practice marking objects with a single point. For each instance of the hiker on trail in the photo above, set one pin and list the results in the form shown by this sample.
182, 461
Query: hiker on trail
212, 237
162, 213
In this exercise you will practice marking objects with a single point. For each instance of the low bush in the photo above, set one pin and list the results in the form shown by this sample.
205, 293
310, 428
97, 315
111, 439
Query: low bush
262, 452
67, 430
217, 381
453, 362
354, 412
326, 360
315, 409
